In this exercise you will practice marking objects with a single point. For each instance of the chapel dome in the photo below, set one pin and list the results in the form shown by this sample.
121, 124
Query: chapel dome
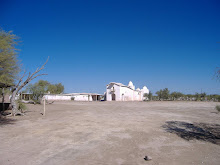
145, 89
130, 84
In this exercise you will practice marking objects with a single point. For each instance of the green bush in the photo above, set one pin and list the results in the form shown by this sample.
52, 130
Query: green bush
217, 107
21, 106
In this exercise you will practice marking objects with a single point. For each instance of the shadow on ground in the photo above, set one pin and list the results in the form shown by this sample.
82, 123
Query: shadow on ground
196, 131
6, 120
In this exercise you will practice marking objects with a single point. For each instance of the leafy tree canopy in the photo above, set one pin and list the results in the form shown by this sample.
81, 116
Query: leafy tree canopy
163, 94
9, 66
176, 95
42, 87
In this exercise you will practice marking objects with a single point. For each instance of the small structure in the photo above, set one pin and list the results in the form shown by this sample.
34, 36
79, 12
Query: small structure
5, 101
26, 96
120, 92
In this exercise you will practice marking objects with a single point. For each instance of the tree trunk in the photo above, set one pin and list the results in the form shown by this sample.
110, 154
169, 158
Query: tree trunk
15, 110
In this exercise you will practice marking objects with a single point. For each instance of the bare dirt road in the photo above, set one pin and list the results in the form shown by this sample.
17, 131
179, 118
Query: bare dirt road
111, 133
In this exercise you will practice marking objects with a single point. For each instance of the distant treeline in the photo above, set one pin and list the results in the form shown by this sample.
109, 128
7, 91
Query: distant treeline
164, 94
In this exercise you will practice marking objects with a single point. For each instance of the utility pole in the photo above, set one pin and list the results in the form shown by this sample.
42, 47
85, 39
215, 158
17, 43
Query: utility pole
44, 106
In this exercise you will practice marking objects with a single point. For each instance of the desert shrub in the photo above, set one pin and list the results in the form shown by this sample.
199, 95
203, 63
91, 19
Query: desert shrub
218, 98
21, 106
72, 98
217, 107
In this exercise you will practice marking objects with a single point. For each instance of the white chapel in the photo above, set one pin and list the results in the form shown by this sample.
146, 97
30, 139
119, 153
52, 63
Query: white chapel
120, 92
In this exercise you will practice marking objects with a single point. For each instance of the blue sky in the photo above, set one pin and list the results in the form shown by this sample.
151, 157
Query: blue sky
172, 43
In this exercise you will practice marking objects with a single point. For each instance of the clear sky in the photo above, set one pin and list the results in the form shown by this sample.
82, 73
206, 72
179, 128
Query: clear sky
172, 43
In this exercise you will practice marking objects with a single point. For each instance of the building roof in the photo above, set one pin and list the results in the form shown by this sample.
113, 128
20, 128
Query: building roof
119, 84
122, 85
74, 94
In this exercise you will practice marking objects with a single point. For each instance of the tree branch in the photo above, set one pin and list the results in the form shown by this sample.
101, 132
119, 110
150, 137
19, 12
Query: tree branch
21, 79
30, 77
38, 75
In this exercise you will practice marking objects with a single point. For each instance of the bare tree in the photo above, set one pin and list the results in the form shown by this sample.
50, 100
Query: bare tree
21, 83
217, 73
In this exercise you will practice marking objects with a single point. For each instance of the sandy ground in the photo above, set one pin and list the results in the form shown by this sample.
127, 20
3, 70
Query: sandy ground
93, 133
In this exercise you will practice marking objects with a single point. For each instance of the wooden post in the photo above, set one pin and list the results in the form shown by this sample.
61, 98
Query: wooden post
44, 106
3, 99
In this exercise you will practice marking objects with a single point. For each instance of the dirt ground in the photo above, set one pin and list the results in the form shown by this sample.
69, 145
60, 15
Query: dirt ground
111, 133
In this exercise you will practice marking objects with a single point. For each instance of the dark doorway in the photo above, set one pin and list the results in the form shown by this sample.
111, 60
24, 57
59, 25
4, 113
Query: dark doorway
113, 97
6, 106
94, 98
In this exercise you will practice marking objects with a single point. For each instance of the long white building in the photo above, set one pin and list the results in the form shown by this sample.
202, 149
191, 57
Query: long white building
120, 92
74, 97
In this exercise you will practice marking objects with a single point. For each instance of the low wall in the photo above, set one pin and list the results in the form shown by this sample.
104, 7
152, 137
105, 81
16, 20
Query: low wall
82, 98
66, 98
57, 97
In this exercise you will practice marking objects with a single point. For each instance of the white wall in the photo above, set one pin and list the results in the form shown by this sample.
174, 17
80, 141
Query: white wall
128, 94
57, 97
109, 93
82, 98
137, 95
63, 97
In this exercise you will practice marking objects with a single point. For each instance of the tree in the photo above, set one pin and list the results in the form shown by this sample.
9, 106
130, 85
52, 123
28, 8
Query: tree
148, 95
9, 67
60, 88
217, 73
20, 84
163, 94
176, 95
41, 87
203, 95
197, 96
159, 94
55, 88
38, 89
